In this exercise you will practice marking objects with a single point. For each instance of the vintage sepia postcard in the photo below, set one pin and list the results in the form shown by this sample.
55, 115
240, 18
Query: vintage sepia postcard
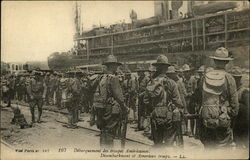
139, 80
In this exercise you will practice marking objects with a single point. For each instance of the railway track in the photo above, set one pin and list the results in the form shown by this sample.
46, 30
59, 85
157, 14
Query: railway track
80, 127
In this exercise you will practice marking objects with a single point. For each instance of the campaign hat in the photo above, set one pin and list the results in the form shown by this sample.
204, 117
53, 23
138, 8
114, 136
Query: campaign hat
185, 68
161, 60
111, 60
221, 54
201, 69
171, 69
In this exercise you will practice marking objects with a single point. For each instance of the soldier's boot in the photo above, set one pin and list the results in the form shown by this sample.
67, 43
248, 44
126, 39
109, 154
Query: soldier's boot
106, 140
39, 114
71, 120
134, 116
102, 138
109, 140
147, 125
140, 124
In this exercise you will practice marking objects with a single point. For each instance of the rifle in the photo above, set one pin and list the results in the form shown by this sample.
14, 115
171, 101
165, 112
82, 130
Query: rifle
124, 121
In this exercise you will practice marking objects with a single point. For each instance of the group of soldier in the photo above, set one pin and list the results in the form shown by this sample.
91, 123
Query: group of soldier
165, 101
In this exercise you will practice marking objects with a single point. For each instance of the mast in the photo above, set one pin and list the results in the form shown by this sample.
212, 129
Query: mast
77, 19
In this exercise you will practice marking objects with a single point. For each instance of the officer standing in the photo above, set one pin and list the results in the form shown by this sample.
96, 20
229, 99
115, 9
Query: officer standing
163, 95
37, 91
109, 102
219, 103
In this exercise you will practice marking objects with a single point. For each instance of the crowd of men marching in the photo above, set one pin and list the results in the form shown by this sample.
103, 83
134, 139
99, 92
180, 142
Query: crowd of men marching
166, 102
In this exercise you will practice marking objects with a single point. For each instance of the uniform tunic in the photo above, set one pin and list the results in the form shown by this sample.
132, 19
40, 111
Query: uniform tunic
36, 89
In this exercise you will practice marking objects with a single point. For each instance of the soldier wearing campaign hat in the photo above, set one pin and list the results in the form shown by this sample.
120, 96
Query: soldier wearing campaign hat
71, 93
218, 96
163, 96
109, 103
190, 85
37, 91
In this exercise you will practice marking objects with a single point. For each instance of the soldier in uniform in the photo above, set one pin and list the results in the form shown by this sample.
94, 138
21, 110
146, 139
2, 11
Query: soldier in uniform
219, 103
143, 81
197, 97
36, 92
73, 94
172, 74
85, 98
46, 81
190, 84
130, 93
21, 87
58, 90
92, 79
241, 122
183, 95
11, 86
109, 102
51, 88
4, 89
162, 93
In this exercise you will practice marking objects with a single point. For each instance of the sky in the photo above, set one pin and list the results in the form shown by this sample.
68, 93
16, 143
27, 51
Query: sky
31, 31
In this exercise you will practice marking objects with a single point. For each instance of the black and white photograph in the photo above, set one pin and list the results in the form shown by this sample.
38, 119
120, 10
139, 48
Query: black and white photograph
121, 80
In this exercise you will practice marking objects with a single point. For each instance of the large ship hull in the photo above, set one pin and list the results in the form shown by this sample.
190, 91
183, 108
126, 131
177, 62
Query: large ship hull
183, 41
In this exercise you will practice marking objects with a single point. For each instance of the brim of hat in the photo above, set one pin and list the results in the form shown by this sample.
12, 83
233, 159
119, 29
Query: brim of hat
237, 75
171, 72
222, 59
111, 63
161, 64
